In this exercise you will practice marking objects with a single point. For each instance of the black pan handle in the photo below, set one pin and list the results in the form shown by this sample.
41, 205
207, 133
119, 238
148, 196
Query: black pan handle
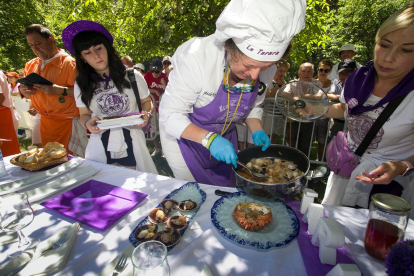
221, 193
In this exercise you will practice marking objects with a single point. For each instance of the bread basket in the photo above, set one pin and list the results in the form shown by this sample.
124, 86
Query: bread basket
40, 165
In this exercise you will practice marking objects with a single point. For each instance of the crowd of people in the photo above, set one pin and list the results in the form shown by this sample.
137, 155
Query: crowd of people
214, 92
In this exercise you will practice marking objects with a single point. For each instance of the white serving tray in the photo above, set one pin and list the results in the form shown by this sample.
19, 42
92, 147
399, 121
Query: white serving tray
120, 122
38, 177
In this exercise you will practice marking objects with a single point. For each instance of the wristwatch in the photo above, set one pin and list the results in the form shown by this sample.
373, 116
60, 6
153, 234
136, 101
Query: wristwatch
64, 92
409, 166
204, 141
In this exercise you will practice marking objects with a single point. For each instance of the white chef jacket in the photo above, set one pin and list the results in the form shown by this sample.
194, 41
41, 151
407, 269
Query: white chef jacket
198, 72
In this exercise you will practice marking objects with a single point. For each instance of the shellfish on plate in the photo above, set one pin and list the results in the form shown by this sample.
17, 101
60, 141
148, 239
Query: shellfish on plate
187, 205
177, 222
159, 215
146, 232
169, 236
169, 204
252, 216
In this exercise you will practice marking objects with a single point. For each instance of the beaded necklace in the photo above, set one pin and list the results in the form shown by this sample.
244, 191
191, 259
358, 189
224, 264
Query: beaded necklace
226, 81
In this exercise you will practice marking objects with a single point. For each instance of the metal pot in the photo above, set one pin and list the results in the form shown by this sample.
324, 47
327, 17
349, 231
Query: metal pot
274, 190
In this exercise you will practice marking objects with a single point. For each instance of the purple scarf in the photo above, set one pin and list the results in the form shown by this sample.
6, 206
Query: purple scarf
359, 86
106, 79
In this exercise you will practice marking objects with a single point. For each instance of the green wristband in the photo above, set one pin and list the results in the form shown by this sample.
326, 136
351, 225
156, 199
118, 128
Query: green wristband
210, 140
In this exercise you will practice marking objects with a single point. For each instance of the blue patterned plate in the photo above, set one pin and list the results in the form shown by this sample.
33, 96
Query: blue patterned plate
281, 231
190, 190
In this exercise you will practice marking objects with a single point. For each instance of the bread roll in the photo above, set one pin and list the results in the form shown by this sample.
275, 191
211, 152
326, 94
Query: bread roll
53, 145
22, 158
42, 152
32, 158
58, 153
32, 149
45, 156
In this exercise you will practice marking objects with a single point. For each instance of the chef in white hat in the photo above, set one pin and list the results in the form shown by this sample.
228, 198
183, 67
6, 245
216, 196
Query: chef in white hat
220, 80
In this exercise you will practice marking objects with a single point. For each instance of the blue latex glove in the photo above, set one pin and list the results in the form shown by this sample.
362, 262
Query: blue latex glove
260, 138
222, 149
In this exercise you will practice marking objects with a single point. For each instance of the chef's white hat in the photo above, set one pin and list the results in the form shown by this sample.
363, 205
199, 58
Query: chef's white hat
261, 29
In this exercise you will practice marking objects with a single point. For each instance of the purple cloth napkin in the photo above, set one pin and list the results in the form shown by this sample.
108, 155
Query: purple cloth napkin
95, 203
310, 253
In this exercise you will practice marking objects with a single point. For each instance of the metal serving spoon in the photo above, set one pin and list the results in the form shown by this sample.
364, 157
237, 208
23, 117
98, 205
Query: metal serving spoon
258, 175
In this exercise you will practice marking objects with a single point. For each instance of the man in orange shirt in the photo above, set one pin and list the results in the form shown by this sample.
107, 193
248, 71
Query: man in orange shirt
55, 103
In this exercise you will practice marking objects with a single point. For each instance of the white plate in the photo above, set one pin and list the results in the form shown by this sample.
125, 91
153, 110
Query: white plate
282, 230
38, 177
120, 122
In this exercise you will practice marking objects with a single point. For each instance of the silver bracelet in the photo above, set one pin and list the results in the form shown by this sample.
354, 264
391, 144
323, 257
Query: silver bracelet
204, 141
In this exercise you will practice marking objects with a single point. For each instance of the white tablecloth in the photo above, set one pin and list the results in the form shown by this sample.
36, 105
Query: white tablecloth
94, 249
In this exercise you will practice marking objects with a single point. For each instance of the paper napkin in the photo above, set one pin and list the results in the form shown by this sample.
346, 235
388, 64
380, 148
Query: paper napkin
51, 262
109, 269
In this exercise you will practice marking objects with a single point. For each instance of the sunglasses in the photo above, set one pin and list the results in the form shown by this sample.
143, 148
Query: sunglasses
155, 71
324, 70
166, 63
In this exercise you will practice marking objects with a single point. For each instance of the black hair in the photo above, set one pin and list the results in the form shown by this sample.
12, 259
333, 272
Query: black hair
87, 83
40, 29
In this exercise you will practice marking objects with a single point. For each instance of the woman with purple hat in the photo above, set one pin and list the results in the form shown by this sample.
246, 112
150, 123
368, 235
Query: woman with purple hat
385, 164
220, 80
102, 89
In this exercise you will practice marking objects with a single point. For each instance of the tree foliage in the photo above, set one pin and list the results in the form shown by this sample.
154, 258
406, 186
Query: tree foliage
155, 28
141, 29
14, 17
313, 38
357, 22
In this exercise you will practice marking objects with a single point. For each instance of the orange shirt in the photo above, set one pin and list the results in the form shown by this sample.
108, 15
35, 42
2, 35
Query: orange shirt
61, 71
55, 122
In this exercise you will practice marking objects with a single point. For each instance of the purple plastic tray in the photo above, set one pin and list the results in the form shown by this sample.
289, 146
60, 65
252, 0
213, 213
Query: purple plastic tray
95, 203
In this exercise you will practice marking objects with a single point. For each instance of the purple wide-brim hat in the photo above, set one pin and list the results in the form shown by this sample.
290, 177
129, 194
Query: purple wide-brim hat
82, 26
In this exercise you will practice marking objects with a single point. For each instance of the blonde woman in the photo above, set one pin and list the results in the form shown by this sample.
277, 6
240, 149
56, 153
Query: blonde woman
366, 93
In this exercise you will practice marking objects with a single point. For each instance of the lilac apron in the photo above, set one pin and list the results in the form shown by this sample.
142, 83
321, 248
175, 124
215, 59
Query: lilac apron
205, 168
